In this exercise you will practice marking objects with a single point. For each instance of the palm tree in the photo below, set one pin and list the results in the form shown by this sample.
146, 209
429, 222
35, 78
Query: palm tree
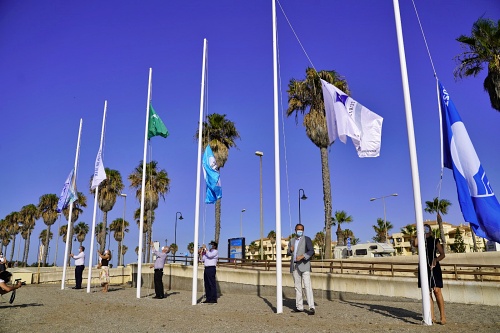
157, 185
410, 231
13, 220
439, 207
482, 47
109, 189
81, 230
47, 208
29, 215
100, 233
63, 231
338, 218
306, 97
319, 240
4, 234
173, 249
119, 228
45, 237
190, 248
348, 233
78, 204
221, 134
148, 216
381, 230
253, 247
272, 238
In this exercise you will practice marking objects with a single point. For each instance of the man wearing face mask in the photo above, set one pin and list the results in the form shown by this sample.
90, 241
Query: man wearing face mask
301, 251
434, 273
209, 259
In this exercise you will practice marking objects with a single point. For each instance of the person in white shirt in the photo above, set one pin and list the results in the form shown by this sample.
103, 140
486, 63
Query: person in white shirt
301, 250
209, 259
79, 267
3, 263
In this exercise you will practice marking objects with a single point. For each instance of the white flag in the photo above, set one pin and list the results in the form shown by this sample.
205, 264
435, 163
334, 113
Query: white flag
99, 173
347, 118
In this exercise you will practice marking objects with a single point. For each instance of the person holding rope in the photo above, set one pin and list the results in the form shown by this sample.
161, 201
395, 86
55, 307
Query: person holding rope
161, 257
209, 259
104, 273
79, 266
434, 273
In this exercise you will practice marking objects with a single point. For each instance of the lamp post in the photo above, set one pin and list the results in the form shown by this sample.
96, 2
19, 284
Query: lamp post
385, 220
303, 197
175, 230
120, 255
241, 222
260, 154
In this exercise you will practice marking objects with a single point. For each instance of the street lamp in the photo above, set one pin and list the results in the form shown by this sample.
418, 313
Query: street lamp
175, 229
303, 197
120, 255
260, 154
385, 220
241, 222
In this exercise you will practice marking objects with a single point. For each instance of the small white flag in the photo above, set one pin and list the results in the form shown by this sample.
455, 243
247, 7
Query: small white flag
99, 172
347, 118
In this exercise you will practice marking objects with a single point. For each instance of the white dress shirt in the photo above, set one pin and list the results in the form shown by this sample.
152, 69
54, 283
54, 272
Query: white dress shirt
79, 259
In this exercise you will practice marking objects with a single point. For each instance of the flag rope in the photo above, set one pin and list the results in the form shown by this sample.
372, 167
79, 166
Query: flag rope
425, 40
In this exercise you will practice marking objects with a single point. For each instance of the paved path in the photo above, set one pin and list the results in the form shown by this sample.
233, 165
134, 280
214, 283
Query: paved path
46, 308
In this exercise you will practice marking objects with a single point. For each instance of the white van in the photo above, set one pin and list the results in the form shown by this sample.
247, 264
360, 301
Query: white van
364, 250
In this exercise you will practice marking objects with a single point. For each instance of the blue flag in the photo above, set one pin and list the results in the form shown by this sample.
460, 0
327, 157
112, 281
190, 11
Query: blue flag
68, 194
212, 176
477, 200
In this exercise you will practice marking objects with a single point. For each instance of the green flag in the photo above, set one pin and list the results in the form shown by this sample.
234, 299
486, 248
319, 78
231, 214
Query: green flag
156, 126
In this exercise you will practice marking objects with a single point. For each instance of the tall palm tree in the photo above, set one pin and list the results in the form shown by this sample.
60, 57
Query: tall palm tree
63, 231
482, 48
319, 240
173, 249
382, 230
29, 215
157, 185
109, 189
100, 234
45, 237
338, 218
220, 133
410, 231
272, 238
119, 228
47, 208
4, 235
439, 207
81, 230
13, 220
306, 97
78, 204
148, 216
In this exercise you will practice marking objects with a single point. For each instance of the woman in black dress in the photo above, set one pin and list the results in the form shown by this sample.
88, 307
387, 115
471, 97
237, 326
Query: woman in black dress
434, 273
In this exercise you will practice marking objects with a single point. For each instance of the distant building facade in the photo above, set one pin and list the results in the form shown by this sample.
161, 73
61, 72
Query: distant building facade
401, 242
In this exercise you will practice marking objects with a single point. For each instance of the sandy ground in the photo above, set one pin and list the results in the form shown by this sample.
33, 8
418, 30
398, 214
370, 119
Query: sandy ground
47, 308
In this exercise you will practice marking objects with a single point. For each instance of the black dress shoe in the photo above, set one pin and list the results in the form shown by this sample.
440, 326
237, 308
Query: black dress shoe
295, 310
312, 312
76, 288
156, 297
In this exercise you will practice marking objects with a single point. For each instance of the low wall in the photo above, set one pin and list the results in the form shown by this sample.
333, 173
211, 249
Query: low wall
263, 283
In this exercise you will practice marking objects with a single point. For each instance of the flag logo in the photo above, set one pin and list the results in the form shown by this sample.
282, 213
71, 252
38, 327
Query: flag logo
477, 200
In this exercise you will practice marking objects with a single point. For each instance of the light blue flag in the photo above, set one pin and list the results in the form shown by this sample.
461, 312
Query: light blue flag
212, 176
68, 194
477, 200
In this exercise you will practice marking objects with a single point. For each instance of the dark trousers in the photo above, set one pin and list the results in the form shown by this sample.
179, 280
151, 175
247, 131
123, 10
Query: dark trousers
210, 285
78, 275
158, 278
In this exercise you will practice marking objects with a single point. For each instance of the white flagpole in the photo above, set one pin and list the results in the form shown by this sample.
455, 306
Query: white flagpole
424, 282
279, 282
65, 263
198, 180
89, 277
143, 190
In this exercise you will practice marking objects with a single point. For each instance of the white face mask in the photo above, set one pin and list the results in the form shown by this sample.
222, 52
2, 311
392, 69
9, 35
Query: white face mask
427, 229
300, 233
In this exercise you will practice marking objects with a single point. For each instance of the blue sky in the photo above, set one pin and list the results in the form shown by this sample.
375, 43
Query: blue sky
60, 60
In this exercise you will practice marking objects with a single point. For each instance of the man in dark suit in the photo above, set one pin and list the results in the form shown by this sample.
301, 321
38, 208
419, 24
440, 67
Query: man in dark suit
301, 251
